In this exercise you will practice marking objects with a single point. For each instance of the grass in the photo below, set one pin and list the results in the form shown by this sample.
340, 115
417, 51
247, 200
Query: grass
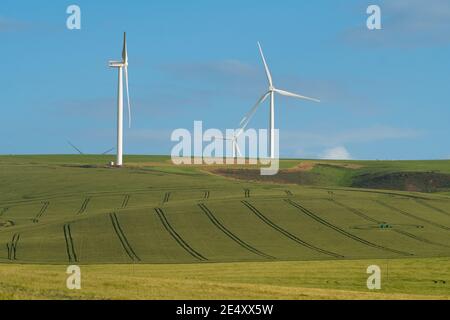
401, 279
153, 230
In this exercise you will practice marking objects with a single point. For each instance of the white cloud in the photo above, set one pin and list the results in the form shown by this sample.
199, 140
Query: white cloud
336, 153
311, 144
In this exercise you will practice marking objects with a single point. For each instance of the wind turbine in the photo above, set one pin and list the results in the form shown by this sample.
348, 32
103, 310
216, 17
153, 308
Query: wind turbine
271, 92
236, 151
75, 148
122, 67
108, 151
234, 144
78, 150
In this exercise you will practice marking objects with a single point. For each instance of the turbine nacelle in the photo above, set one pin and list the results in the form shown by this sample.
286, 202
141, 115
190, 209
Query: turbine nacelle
234, 144
234, 140
116, 64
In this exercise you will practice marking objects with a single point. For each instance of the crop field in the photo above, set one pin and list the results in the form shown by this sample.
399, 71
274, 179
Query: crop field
62, 210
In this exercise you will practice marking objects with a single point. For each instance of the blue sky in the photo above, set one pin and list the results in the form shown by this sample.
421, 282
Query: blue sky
384, 93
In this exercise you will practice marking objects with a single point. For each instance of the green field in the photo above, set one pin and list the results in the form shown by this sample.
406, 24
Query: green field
425, 278
181, 225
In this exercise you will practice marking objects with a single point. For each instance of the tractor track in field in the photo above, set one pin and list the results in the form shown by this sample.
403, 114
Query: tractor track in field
45, 197
437, 225
206, 195
402, 232
230, 234
432, 207
356, 211
3, 211
41, 211
166, 197
122, 238
70, 247
410, 196
84, 205
341, 231
420, 239
289, 193
41, 198
246, 193
125, 201
287, 233
177, 237
12, 247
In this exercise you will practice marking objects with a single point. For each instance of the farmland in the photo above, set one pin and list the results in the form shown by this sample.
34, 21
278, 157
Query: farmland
61, 210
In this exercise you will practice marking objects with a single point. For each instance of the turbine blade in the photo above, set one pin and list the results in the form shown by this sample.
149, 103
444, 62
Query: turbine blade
294, 95
108, 151
73, 146
269, 76
239, 132
223, 138
249, 114
128, 95
124, 50
238, 149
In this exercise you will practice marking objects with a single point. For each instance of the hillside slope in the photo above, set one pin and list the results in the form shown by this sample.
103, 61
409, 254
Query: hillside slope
63, 209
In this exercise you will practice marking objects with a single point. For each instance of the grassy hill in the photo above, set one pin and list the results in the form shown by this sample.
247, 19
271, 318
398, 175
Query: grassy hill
60, 210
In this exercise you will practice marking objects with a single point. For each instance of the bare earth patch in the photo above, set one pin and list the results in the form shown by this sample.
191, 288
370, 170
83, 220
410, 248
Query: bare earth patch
303, 166
288, 176
309, 165
408, 181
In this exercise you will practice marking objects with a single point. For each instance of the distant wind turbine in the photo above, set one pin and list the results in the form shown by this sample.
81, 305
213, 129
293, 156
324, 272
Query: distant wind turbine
74, 147
108, 151
234, 144
236, 151
271, 92
82, 153
122, 66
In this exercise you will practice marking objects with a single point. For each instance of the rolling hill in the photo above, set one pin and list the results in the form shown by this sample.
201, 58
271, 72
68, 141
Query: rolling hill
60, 210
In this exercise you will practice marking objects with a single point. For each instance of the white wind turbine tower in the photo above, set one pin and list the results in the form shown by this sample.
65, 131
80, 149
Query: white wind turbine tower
271, 92
122, 67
